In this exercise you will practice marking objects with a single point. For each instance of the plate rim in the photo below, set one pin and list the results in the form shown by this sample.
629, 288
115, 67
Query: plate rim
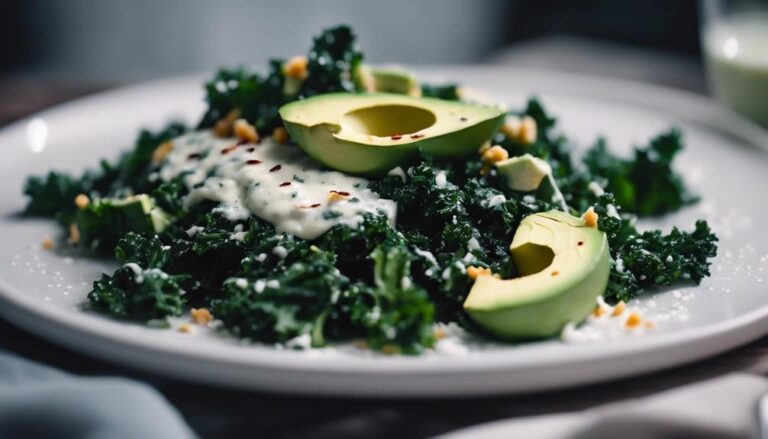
59, 324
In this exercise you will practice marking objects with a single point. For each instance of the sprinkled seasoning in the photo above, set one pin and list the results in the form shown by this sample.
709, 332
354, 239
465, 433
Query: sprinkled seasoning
275, 168
463, 119
253, 162
285, 183
417, 136
396, 137
194, 156
251, 149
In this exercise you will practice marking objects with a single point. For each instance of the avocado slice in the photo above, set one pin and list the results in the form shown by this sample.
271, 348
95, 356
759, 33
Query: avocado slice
393, 79
369, 134
104, 221
564, 266
527, 173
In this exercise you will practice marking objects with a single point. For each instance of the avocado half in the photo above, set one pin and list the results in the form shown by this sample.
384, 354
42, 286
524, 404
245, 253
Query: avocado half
564, 266
369, 134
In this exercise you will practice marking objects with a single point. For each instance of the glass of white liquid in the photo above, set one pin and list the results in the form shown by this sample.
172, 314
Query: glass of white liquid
734, 37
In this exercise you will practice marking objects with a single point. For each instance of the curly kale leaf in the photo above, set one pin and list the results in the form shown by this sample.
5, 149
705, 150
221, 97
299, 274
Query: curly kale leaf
448, 92
652, 258
138, 294
148, 252
646, 185
333, 59
402, 313
286, 305
54, 194
257, 97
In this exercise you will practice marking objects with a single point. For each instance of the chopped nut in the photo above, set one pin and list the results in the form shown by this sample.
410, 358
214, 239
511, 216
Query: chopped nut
47, 243
528, 131
475, 272
633, 320
82, 201
74, 234
201, 316
280, 136
224, 126
296, 68
598, 312
511, 127
440, 333
484, 147
186, 328
390, 349
334, 196
161, 152
619, 309
246, 131
495, 154
590, 217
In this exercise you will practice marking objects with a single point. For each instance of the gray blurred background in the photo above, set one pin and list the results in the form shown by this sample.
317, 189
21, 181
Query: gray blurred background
77, 46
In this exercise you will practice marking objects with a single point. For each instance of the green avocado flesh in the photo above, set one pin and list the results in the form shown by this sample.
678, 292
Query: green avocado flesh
369, 134
564, 266
388, 80
531, 174
106, 220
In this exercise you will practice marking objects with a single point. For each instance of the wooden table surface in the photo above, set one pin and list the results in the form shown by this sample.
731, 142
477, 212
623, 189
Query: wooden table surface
215, 412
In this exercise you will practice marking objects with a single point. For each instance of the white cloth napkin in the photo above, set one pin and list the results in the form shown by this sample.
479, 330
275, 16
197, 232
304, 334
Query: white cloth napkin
724, 407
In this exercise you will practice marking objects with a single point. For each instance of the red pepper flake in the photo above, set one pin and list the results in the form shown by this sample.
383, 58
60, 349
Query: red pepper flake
311, 206
463, 119
276, 168
251, 149
555, 273
285, 183
194, 156
229, 149
417, 136
580, 243
253, 162
342, 193
396, 137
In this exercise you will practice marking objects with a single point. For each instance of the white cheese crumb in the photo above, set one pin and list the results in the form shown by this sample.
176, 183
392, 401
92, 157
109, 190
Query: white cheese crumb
496, 200
426, 254
280, 251
441, 180
138, 276
405, 282
237, 236
274, 283
669, 259
259, 285
261, 257
398, 172
529, 199
303, 342
473, 245
595, 188
241, 283
612, 212
620, 265
194, 230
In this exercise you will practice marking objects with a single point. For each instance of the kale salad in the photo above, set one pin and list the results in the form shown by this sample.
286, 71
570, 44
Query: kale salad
329, 201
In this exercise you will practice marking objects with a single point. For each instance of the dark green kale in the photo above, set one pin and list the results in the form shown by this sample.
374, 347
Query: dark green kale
652, 258
402, 314
646, 184
333, 61
448, 92
147, 252
138, 294
53, 195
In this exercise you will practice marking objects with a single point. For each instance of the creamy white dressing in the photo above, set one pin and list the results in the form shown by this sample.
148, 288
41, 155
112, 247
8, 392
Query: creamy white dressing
277, 183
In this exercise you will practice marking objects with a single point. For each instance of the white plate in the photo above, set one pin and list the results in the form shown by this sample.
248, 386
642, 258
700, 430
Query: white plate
41, 290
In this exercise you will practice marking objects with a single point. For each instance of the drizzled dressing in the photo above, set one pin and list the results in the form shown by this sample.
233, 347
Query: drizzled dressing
277, 183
